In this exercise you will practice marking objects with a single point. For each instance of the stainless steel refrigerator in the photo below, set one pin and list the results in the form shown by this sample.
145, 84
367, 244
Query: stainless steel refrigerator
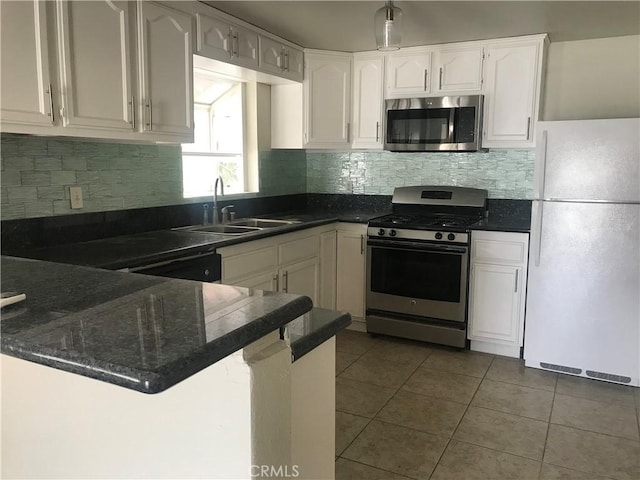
583, 296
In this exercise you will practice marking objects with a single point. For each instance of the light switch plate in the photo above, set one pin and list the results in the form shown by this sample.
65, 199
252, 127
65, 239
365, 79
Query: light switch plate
75, 193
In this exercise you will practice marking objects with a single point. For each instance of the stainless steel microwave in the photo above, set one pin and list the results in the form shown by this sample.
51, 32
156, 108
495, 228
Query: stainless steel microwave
432, 124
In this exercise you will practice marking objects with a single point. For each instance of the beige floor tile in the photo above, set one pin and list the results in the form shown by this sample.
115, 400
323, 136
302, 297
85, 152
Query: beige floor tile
378, 371
448, 386
594, 453
609, 418
465, 362
503, 431
552, 472
343, 360
397, 449
636, 394
515, 399
347, 428
511, 370
595, 390
359, 398
462, 461
355, 343
423, 413
400, 351
348, 470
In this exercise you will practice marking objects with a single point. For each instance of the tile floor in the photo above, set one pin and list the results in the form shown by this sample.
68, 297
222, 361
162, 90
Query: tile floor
413, 410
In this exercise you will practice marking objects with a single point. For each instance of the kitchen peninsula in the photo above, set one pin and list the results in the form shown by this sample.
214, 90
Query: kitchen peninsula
223, 383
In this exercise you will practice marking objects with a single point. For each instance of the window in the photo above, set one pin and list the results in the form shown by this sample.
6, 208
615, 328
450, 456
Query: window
219, 137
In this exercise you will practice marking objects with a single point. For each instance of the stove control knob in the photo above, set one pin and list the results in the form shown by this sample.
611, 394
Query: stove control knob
451, 237
438, 236
393, 233
381, 232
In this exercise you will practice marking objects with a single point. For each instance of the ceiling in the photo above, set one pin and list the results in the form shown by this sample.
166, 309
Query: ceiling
348, 26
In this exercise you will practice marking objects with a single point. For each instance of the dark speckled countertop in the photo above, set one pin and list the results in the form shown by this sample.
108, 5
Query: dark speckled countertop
140, 332
127, 251
313, 328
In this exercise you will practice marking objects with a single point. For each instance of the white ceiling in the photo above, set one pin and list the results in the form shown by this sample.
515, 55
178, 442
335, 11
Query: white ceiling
348, 26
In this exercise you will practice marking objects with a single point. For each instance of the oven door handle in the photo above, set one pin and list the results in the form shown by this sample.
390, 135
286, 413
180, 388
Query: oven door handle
422, 247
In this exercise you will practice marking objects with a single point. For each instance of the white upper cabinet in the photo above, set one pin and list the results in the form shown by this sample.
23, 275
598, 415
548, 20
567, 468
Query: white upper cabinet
95, 64
368, 105
224, 41
166, 71
408, 74
513, 77
327, 100
100, 91
457, 70
280, 59
25, 95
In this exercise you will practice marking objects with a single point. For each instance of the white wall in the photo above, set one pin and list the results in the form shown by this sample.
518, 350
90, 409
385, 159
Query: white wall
597, 78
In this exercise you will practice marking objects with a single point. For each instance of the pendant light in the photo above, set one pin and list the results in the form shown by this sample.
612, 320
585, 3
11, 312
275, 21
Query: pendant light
388, 27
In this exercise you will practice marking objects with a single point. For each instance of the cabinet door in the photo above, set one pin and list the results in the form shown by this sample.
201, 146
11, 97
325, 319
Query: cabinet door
350, 283
271, 56
166, 72
368, 109
25, 95
327, 101
408, 74
301, 278
213, 37
244, 45
512, 93
95, 64
294, 63
458, 70
328, 270
494, 303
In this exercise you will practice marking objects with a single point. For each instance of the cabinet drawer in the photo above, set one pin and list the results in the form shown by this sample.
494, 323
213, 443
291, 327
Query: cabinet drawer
499, 247
298, 249
248, 264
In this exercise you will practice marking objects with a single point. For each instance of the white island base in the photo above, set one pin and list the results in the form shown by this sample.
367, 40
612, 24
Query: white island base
253, 414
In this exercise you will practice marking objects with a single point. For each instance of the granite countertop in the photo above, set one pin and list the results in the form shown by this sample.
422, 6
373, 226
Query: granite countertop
137, 331
128, 251
314, 328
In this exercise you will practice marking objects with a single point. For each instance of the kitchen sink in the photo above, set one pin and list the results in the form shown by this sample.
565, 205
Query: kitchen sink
226, 229
262, 222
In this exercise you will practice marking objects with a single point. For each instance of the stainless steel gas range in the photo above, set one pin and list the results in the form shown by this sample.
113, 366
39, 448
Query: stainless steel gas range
418, 263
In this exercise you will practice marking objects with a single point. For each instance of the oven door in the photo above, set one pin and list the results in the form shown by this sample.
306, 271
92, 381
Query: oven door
418, 279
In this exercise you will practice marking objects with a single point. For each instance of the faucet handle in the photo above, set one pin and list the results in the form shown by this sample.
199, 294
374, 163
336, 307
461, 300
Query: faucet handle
205, 214
225, 213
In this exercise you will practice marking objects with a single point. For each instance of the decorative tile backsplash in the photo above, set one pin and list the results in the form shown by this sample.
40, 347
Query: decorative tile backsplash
38, 171
504, 173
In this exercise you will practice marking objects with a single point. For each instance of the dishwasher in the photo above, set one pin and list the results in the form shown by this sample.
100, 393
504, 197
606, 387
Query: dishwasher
202, 268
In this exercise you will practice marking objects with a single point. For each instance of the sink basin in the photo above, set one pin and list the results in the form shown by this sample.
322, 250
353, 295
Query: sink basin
226, 229
263, 222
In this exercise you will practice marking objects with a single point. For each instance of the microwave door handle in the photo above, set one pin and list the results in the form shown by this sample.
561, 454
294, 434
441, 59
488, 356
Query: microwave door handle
452, 118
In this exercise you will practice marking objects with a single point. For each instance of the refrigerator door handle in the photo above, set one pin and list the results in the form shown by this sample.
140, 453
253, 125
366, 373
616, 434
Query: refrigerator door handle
536, 232
541, 154
541, 171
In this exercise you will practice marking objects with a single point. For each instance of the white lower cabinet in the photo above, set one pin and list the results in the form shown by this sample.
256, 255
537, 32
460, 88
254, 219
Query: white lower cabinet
287, 263
497, 291
351, 269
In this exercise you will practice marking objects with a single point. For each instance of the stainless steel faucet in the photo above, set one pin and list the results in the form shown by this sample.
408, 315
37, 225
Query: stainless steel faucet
214, 214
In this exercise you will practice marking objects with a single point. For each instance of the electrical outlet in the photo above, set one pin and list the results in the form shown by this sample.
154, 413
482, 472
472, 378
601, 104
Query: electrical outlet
76, 197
